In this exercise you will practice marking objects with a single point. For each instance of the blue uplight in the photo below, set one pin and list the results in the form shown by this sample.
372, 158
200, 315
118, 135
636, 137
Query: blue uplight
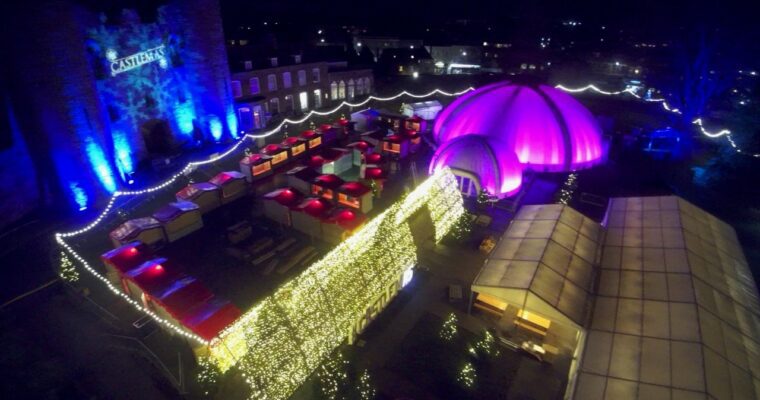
99, 164
185, 114
123, 154
215, 125
232, 123
79, 195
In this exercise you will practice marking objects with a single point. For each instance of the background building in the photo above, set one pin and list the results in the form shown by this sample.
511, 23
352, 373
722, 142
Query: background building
279, 86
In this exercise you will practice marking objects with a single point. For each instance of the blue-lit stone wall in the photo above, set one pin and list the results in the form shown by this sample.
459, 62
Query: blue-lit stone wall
85, 128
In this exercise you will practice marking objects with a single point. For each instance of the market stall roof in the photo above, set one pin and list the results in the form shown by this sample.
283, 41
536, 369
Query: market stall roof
287, 196
354, 189
292, 141
272, 149
375, 172
255, 159
334, 153
183, 295
127, 257
130, 229
173, 210
309, 134
316, 161
374, 158
548, 254
395, 138
677, 312
329, 181
347, 218
317, 207
360, 145
155, 276
223, 177
194, 190
303, 172
211, 317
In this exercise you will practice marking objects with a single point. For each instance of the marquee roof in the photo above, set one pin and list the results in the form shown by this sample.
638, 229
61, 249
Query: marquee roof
677, 312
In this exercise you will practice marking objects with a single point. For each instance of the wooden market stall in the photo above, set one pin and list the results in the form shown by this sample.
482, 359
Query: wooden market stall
179, 219
232, 185
206, 195
147, 230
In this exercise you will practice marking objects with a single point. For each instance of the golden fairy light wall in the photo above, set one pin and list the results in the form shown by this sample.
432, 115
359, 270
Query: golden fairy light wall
283, 339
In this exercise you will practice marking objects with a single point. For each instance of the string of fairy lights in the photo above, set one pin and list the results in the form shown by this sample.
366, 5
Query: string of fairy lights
666, 106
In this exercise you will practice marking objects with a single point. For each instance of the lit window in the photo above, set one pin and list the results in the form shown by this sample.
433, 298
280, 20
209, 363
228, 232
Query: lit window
303, 100
348, 200
272, 82
342, 90
273, 61
279, 157
286, 81
274, 105
298, 149
261, 168
237, 90
315, 75
301, 77
253, 84
334, 91
391, 147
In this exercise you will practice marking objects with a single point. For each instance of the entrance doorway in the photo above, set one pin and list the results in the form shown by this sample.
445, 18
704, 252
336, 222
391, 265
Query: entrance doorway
157, 136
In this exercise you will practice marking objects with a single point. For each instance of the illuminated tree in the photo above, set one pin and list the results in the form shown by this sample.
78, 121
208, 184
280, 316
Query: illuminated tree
208, 377
449, 328
66, 271
365, 388
467, 375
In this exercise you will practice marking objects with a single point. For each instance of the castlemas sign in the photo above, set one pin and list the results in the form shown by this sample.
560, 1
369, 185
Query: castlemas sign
124, 64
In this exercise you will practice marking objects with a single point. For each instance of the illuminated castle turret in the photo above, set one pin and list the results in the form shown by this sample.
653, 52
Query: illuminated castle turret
92, 94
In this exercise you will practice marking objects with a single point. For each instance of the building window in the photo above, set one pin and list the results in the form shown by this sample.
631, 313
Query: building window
315, 75
317, 98
297, 58
248, 65
359, 87
342, 90
301, 77
253, 85
273, 61
303, 98
274, 106
289, 103
272, 82
351, 89
237, 90
367, 86
286, 80
334, 91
